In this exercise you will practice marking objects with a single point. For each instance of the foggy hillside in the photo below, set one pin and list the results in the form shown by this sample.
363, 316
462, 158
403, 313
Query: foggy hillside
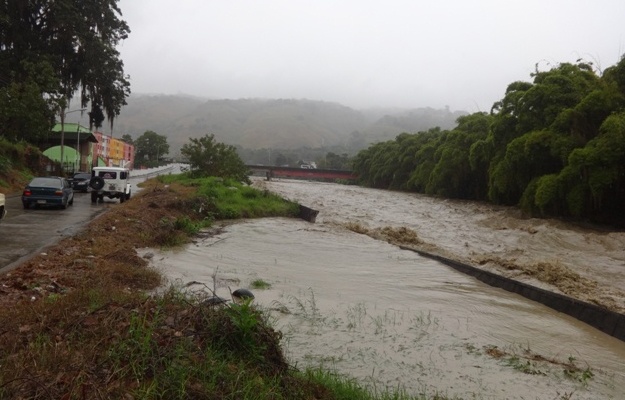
266, 123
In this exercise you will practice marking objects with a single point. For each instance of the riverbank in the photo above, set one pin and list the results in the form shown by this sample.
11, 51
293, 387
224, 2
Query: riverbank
66, 300
391, 318
78, 320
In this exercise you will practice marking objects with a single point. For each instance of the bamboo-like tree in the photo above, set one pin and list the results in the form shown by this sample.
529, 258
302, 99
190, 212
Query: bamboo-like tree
554, 146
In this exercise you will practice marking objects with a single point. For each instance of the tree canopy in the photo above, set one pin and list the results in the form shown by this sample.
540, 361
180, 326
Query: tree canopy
208, 157
51, 50
554, 146
150, 148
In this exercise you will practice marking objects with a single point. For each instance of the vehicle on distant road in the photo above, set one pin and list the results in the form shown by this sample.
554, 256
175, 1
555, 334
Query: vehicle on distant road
3, 211
48, 191
112, 182
80, 181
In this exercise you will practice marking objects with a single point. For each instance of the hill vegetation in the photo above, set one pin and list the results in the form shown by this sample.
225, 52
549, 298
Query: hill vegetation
286, 124
18, 163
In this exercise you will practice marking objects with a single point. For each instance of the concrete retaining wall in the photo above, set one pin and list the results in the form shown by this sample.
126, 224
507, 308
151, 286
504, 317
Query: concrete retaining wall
307, 213
606, 321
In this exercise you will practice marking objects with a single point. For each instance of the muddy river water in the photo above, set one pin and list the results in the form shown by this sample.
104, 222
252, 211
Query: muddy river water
393, 319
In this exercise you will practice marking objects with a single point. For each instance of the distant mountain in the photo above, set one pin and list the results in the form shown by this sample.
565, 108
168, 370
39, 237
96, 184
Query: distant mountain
267, 123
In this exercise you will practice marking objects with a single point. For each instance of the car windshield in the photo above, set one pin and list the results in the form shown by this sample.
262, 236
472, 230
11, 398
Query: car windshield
82, 176
46, 182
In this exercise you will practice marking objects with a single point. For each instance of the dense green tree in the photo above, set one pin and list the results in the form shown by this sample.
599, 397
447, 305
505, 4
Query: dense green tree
150, 147
552, 92
24, 113
208, 157
424, 159
384, 164
528, 157
407, 146
452, 175
334, 161
537, 125
554, 146
595, 175
73, 43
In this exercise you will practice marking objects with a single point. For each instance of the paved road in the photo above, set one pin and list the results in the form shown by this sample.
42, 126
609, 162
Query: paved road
27, 232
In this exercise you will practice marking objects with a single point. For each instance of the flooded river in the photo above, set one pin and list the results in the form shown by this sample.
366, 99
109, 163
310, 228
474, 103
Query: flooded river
391, 318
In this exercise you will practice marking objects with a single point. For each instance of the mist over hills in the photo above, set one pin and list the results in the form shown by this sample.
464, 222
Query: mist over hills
272, 123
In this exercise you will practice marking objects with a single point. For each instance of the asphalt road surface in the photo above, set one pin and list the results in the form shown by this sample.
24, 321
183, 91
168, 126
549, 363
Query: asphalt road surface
24, 233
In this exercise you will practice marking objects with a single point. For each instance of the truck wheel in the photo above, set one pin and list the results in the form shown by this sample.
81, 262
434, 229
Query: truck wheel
94, 197
122, 197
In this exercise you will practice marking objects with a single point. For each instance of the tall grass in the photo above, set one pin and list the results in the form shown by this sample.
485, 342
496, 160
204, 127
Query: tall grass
228, 199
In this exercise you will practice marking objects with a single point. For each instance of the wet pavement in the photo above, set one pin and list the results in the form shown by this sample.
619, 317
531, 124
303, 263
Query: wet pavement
24, 233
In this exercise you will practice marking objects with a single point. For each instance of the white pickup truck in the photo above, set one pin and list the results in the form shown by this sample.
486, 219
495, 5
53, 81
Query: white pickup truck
3, 210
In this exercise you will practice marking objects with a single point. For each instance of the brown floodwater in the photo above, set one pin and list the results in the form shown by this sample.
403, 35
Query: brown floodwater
393, 319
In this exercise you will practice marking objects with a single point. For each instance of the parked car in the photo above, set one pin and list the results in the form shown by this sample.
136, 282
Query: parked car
3, 211
48, 191
80, 181
112, 182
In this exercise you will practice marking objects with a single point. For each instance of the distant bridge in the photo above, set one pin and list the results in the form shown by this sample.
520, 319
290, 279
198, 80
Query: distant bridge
301, 173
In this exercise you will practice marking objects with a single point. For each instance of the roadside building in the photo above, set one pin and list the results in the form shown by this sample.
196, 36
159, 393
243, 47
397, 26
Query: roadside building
77, 142
83, 149
113, 152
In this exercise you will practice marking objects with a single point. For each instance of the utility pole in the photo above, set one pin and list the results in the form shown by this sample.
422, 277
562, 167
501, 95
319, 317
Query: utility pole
63, 114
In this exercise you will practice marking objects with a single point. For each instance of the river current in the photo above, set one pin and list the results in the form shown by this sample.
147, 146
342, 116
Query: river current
391, 318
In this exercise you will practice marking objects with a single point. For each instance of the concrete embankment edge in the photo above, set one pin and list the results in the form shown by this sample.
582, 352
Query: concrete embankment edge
307, 213
606, 321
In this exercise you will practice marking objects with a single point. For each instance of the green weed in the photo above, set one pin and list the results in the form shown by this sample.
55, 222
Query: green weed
260, 284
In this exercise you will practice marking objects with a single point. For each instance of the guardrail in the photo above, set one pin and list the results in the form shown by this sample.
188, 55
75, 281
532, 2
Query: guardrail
152, 172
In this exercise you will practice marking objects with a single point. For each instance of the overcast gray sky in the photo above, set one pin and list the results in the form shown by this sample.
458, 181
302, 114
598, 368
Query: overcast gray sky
362, 53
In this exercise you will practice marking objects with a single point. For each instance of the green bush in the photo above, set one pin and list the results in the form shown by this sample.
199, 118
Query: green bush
229, 199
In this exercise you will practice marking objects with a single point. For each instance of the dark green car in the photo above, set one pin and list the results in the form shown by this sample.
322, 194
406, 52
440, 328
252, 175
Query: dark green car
48, 191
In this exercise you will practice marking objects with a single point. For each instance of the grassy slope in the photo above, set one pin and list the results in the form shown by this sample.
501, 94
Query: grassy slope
19, 162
